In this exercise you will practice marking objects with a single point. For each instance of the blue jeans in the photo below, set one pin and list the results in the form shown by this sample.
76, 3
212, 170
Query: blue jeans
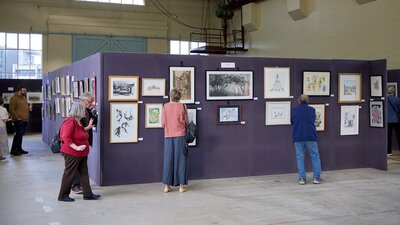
312, 149
20, 127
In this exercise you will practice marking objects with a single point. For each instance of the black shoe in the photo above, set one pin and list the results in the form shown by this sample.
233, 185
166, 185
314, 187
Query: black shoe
15, 153
66, 199
93, 197
23, 151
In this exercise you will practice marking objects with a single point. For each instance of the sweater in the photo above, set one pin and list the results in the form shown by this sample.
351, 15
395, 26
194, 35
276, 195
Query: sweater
303, 121
19, 108
174, 119
73, 133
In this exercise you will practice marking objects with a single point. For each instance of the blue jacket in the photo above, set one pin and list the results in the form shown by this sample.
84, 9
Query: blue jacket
303, 121
392, 114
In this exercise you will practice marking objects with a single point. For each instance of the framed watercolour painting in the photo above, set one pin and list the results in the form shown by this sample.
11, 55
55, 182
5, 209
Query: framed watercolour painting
316, 83
124, 122
153, 115
229, 85
349, 119
182, 78
349, 87
276, 82
153, 86
376, 86
277, 113
192, 116
229, 114
394, 85
376, 114
319, 116
123, 88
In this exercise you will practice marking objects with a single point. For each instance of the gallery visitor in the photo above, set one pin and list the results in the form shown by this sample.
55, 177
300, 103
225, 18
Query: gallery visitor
393, 118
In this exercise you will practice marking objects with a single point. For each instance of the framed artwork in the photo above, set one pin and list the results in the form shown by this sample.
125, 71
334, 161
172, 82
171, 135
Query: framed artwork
7, 97
58, 105
34, 97
182, 78
376, 114
349, 119
319, 116
192, 116
229, 114
316, 83
81, 88
93, 82
62, 83
123, 88
376, 86
276, 82
229, 85
75, 86
349, 87
153, 86
277, 113
86, 85
68, 103
393, 84
124, 122
48, 92
67, 85
58, 85
53, 87
63, 107
153, 115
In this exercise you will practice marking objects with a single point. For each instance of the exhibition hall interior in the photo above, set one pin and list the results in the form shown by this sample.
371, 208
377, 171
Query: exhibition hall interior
241, 68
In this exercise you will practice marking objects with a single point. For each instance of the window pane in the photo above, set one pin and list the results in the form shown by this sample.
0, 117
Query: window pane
127, 2
103, 0
11, 63
202, 44
11, 40
115, 1
2, 40
36, 41
174, 47
138, 2
2, 64
23, 41
184, 48
36, 63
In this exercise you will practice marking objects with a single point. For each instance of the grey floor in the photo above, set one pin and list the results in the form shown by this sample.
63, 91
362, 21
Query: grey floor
29, 186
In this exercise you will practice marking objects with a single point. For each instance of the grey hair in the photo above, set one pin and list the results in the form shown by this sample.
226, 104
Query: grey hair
303, 99
77, 110
85, 96
175, 95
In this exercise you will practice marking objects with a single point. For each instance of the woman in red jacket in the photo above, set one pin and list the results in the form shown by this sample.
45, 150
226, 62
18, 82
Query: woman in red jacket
75, 149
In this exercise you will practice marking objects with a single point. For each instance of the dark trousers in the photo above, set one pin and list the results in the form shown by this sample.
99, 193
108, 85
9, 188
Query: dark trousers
72, 165
20, 127
396, 128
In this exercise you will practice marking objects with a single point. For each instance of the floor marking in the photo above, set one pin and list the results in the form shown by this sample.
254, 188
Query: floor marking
47, 208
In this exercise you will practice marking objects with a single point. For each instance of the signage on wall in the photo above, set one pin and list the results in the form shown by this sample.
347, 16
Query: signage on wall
227, 65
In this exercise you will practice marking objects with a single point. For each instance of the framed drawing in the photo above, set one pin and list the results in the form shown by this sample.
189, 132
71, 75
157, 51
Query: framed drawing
58, 85
53, 87
394, 85
62, 83
67, 85
153, 86
124, 122
182, 78
376, 86
34, 97
7, 97
81, 87
277, 113
123, 88
58, 107
349, 120
229, 114
93, 82
192, 116
376, 114
276, 82
316, 83
229, 85
63, 107
153, 115
319, 116
349, 88
86, 85
75, 86
67, 105
48, 92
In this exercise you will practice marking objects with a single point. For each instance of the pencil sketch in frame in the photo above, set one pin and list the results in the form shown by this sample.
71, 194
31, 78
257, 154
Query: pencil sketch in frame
48, 91
182, 78
229, 85
34, 97
192, 116
124, 122
276, 82
277, 113
320, 119
349, 88
376, 86
229, 114
153, 115
153, 86
67, 85
75, 87
67, 105
81, 88
6, 97
393, 84
62, 85
376, 114
58, 107
53, 87
349, 120
63, 107
87, 88
316, 83
123, 88
58, 84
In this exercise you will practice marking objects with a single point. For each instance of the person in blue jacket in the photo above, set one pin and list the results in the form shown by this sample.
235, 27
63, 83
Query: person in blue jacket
393, 118
305, 138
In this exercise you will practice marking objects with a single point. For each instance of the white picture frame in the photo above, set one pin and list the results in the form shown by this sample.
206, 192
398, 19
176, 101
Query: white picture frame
153, 112
182, 78
277, 113
376, 86
67, 85
123, 88
276, 82
349, 120
153, 86
123, 122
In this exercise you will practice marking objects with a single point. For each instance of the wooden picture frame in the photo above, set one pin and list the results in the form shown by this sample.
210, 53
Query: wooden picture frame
229, 85
183, 78
349, 120
349, 88
123, 88
153, 114
276, 82
277, 113
192, 116
376, 114
393, 84
229, 114
153, 86
123, 122
320, 116
376, 86
316, 83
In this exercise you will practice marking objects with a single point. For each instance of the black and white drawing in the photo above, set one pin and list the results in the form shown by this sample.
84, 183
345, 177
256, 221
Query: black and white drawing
276, 82
349, 120
277, 113
192, 116
376, 86
229, 85
124, 122
123, 88
153, 86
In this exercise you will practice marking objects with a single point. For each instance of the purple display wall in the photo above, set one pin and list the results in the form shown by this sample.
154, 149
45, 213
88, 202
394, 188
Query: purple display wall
394, 76
237, 150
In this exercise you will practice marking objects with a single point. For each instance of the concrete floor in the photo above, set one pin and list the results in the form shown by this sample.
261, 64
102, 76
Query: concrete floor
29, 186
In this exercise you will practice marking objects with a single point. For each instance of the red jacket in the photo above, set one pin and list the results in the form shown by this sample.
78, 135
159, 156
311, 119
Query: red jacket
72, 132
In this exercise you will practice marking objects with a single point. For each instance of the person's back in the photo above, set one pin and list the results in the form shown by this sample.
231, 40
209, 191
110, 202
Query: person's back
394, 106
303, 120
174, 119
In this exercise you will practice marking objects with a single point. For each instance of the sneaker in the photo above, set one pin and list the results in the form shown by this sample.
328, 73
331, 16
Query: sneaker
318, 181
2, 158
302, 181
77, 190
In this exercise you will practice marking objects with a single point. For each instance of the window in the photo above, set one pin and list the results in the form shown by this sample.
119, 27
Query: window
20, 56
122, 2
183, 47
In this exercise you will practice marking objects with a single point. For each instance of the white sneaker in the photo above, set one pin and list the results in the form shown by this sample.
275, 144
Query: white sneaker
302, 181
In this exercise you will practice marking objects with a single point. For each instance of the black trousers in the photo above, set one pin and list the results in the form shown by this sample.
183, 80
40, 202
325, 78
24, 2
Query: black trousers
72, 165
396, 128
20, 127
